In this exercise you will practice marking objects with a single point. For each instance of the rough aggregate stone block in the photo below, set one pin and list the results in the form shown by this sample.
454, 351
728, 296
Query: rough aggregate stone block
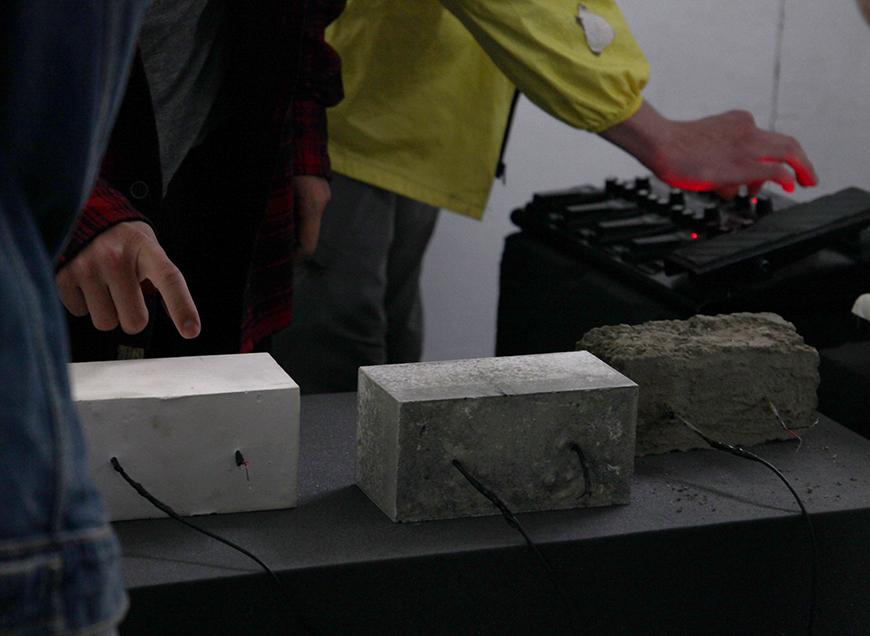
175, 425
511, 422
721, 373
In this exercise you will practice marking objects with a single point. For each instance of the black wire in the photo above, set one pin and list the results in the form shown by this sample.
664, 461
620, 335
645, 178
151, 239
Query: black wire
586, 479
514, 523
740, 451
140, 489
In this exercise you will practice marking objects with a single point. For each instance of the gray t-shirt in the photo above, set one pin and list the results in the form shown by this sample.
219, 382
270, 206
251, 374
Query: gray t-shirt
184, 46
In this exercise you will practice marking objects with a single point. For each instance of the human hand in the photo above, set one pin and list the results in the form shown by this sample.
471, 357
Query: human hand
105, 280
312, 195
721, 153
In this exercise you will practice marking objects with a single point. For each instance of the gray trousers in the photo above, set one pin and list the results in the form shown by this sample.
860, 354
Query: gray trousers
357, 301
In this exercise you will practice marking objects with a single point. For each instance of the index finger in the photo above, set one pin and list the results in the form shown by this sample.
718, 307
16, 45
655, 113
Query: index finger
154, 265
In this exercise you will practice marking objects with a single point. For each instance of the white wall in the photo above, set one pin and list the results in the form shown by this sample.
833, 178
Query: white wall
707, 56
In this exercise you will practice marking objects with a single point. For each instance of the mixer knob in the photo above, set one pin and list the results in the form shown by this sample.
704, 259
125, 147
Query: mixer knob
763, 206
697, 220
741, 202
642, 183
681, 216
711, 213
611, 186
651, 203
641, 195
677, 197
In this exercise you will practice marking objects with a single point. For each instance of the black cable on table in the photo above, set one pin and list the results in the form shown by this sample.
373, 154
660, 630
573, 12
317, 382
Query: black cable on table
740, 451
165, 508
514, 523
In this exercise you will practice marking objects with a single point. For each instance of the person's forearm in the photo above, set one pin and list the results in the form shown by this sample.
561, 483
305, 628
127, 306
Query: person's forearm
309, 139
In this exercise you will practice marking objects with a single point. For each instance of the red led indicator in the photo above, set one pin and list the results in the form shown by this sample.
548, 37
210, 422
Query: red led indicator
754, 200
694, 236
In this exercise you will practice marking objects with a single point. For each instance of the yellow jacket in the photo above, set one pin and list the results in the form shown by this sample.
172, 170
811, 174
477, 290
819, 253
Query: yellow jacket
427, 104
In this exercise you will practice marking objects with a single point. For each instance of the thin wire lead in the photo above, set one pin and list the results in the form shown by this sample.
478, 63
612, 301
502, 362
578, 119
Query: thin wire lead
782, 423
587, 482
165, 508
740, 451
514, 523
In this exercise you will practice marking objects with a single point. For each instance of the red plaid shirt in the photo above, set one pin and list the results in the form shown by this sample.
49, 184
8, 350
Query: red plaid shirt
296, 143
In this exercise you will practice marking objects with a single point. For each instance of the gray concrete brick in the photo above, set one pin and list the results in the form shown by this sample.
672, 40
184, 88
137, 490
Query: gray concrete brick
510, 421
721, 373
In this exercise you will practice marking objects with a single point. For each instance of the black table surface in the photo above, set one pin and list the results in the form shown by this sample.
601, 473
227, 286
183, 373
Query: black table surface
712, 539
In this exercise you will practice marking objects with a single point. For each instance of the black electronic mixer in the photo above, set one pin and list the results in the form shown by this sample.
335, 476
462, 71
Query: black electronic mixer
650, 230
638, 250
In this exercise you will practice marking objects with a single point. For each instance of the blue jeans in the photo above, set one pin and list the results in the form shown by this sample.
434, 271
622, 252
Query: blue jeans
63, 67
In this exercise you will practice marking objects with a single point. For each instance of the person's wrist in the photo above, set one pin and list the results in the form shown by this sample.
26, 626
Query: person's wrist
644, 136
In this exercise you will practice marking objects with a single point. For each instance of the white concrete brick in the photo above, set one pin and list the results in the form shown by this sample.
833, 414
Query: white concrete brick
175, 424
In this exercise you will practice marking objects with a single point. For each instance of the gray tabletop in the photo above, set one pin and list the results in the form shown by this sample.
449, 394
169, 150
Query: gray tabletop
336, 525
